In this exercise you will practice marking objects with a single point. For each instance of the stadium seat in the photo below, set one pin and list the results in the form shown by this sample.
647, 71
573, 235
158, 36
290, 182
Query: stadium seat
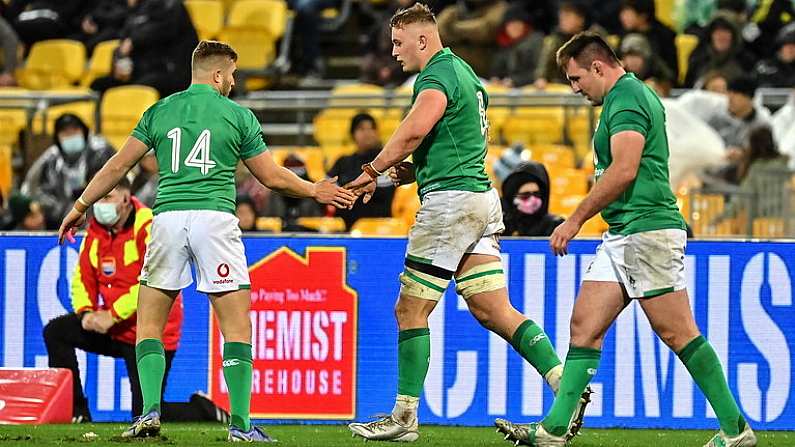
265, 15
769, 227
323, 224
685, 44
664, 10
534, 125
553, 156
594, 227
272, 224
86, 110
121, 109
6, 174
703, 210
256, 48
312, 156
100, 63
56, 63
613, 40
569, 181
207, 17
406, 203
379, 226
332, 125
563, 203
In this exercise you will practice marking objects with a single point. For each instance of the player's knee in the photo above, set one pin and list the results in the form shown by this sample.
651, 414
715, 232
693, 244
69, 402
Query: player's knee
409, 315
482, 278
584, 334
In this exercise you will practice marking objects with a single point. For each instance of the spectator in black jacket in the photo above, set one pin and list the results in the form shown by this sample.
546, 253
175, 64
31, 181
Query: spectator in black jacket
59, 175
779, 71
102, 22
157, 41
638, 16
720, 49
36, 20
525, 202
365, 135
520, 45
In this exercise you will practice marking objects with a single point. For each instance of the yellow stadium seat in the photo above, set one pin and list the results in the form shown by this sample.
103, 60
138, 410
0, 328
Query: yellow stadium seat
594, 227
703, 210
272, 224
569, 181
255, 48
207, 17
266, 15
554, 156
406, 203
312, 156
534, 125
685, 44
56, 63
101, 61
331, 131
86, 110
323, 224
6, 174
769, 227
332, 125
332, 153
613, 40
379, 226
121, 108
563, 203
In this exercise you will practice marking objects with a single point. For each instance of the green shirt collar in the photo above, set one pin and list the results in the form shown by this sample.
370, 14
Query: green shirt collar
202, 88
444, 51
626, 76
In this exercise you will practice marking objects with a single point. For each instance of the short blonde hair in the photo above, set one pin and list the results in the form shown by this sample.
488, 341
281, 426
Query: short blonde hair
417, 13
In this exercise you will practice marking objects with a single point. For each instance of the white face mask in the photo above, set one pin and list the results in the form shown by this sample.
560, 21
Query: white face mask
106, 213
73, 145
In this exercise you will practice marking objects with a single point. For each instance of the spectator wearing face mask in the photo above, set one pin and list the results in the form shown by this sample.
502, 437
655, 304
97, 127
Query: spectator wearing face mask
57, 178
525, 202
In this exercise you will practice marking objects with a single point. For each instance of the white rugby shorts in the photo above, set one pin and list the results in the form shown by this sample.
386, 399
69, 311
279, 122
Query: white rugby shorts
210, 240
648, 264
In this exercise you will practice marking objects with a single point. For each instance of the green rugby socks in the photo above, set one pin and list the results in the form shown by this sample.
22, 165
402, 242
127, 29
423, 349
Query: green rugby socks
150, 356
581, 365
532, 343
237, 374
414, 354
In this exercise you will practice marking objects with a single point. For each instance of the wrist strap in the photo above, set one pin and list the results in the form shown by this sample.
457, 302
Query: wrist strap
81, 206
371, 171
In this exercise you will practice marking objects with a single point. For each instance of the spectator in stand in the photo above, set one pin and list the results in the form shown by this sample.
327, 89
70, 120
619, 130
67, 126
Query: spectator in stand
45, 19
520, 45
57, 178
720, 49
26, 214
715, 82
779, 71
246, 214
307, 21
470, 27
101, 22
767, 19
525, 202
378, 65
105, 299
763, 177
289, 209
365, 135
639, 17
638, 58
157, 41
10, 42
247, 185
573, 17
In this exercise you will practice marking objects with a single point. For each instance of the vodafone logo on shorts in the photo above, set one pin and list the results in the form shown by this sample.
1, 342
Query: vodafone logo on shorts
223, 272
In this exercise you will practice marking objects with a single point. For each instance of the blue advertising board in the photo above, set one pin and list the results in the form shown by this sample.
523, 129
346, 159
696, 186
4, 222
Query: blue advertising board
741, 294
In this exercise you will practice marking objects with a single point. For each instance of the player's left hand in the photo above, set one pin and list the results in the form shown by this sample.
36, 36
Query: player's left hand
103, 321
70, 224
328, 192
559, 240
362, 185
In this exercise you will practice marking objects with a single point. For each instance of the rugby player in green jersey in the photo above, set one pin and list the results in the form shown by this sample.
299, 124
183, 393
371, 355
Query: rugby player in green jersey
198, 136
642, 255
458, 224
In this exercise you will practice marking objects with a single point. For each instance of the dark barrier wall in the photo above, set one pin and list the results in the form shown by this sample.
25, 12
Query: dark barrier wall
325, 336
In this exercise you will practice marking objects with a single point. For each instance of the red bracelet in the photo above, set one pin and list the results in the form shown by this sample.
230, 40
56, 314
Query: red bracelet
370, 170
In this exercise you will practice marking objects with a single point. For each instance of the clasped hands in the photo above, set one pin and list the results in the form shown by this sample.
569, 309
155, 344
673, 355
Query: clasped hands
364, 185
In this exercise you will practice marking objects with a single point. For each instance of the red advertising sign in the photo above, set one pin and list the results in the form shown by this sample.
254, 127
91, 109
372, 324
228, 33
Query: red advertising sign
303, 318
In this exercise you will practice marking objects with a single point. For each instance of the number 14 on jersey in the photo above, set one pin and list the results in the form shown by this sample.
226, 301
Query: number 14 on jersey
198, 157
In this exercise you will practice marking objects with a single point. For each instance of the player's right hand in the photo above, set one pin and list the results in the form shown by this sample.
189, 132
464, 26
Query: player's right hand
328, 192
70, 224
402, 173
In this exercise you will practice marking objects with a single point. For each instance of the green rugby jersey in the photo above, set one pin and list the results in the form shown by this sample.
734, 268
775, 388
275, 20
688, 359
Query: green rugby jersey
199, 136
452, 155
648, 203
